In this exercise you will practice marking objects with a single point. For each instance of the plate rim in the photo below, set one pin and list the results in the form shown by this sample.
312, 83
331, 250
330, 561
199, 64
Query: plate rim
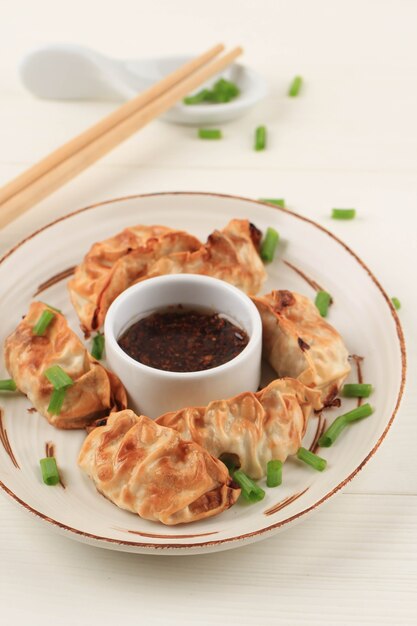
99, 540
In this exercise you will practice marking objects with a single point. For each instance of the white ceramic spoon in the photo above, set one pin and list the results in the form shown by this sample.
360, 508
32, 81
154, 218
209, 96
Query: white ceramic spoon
71, 72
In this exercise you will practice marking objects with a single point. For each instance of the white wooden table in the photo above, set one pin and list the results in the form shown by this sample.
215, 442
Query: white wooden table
349, 140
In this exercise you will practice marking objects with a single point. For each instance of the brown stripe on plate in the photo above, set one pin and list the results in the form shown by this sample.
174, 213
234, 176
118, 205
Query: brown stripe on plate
161, 536
321, 427
54, 280
4, 438
283, 503
308, 280
358, 362
50, 451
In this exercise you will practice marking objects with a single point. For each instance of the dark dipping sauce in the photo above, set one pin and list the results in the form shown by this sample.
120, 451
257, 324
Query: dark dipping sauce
180, 339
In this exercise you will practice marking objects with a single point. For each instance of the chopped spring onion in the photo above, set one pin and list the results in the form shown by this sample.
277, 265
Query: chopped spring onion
276, 201
58, 377
57, 400
343, 214
197, 98
98, 346
222, 91
209, 133
358, 390
295, 86
396, 303
274, 473
269, 244
260, 138
312, 459
49, 469
43, 322
7, 385
250, 490
322, 302
340, 423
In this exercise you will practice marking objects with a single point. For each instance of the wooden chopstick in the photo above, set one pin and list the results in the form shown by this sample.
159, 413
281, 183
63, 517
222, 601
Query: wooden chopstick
76, 155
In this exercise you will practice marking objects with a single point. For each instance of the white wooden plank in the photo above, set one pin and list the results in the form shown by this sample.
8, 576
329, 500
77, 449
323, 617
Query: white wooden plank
353, 562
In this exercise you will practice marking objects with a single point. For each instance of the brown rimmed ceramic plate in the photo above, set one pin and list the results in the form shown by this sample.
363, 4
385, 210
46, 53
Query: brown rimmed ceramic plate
309, 257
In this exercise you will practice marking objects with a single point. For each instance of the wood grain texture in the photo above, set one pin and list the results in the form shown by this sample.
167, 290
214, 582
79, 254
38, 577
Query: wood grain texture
349, 140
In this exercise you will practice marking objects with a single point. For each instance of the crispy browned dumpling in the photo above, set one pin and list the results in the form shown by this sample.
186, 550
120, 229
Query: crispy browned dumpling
230, 254
252, 427
116, 263
141, 252
148, 469
298, 342
95, 392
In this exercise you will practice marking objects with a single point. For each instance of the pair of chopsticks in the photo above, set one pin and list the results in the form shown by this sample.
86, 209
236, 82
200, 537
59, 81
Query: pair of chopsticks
76, 155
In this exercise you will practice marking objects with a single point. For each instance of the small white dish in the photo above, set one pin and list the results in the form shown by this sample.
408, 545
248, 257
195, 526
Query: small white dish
153, 391
71, 72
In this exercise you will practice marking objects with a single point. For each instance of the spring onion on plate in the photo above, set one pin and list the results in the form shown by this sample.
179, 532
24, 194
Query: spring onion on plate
7, 385
276, 201
269, 244
322, 302
57, 377
98, 346
274, 473
312, 459
358, 390
396, 303
343, 214
340, 423
250, 490
49, 469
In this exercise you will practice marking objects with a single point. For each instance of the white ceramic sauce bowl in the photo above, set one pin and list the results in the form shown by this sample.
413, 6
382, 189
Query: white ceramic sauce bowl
153, 392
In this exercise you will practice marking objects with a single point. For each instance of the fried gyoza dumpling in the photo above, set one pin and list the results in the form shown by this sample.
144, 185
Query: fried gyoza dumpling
254, 427
95, 391
298, 342
230, 254
113, 265
148, 469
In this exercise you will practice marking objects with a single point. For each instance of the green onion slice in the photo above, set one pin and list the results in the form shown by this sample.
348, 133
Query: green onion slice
43, 322
358, 390
269, 245
396, 303
276, 201
98, 346
250, 490
274, 473
58, 377
223, 91
322, 302
312, 459
197, 98
57, 400
49, 469
340, 423
295, 86
7, 385
53, 308
343, 214
260, 138
209, 133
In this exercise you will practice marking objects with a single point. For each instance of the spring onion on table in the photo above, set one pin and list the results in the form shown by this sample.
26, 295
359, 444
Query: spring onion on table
343, 214
312, 459
260, 138
43, 322
269, 244
358, 390
7, 385
98, 346
276, 201
250, 490
322, 302
274, 473
295, 86
49, 469
209, 133
340, 423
